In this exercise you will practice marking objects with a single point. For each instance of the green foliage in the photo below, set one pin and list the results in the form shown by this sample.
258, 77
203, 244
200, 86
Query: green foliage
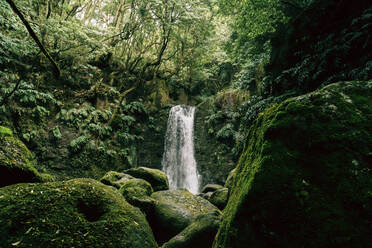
57, 133
78, 143
4, 131
323, 52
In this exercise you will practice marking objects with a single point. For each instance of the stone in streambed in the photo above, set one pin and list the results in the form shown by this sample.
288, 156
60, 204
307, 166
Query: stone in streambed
199, 234
175, 210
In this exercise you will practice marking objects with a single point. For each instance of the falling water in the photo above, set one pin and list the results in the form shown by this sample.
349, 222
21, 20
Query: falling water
178, 159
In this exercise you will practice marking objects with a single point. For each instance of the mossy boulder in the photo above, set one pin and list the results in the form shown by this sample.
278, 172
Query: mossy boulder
137, 192
174, 211
115, 179
74, 213
16, 164
199, 234
219, 198
211, 188
155, 177
305, 176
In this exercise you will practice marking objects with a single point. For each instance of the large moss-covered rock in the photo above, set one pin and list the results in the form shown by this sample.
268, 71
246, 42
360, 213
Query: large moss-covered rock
16, 163
305, 177
137, 192
175, 210
199, 234
75, 213
155, 177
115, 179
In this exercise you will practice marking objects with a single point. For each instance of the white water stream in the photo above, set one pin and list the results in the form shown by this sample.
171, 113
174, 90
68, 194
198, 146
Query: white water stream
178, 159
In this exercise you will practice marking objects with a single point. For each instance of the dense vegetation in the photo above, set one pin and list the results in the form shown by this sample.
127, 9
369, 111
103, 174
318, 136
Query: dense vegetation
87, 85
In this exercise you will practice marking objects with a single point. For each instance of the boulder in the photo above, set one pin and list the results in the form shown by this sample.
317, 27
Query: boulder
305, 176
199, 234
219, 198
155, 177
74, 213
115, 179
174, 211
137, 192
211, 188
16, 164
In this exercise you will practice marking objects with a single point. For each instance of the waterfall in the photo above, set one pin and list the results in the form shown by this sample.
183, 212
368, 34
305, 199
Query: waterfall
178, 159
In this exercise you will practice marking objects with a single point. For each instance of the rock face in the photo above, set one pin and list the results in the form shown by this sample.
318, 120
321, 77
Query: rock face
16, 165
174, 211
305, 177
75, 213
213, 164
155, 177
199, 234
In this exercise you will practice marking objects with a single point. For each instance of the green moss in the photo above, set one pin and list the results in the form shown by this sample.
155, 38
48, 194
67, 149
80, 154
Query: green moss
4, 131
199, 234
78, 144
16, 165
75, 213
175, 210
156, 178
296, 183
137, 192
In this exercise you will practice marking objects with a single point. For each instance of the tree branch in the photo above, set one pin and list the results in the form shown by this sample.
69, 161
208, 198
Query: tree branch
56, 70
7, 96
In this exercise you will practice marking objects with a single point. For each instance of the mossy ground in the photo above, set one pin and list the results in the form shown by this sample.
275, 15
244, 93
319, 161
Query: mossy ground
75, 213
304, 179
